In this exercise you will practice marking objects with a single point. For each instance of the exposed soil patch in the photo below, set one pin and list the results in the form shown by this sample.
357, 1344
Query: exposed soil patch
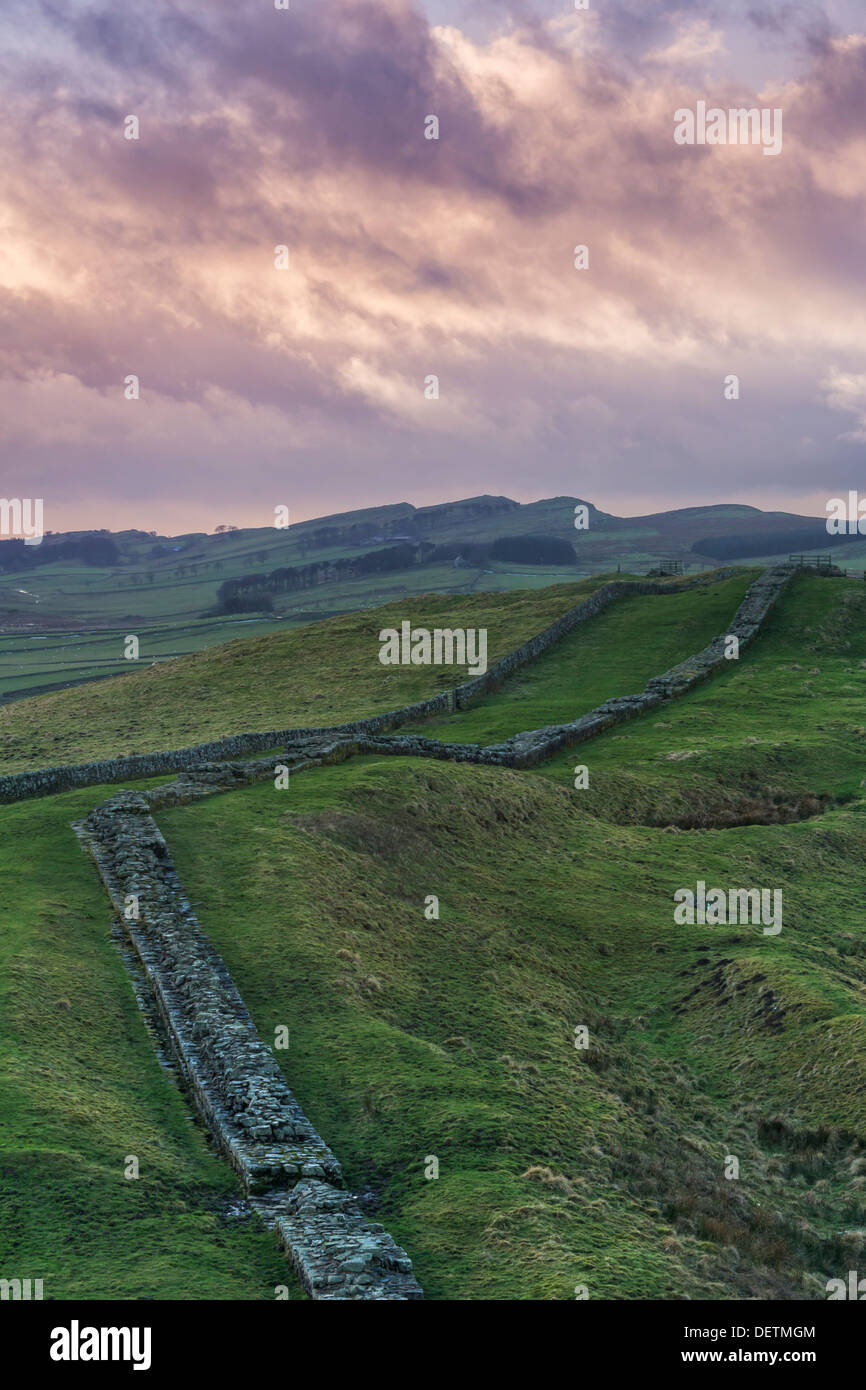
751, 810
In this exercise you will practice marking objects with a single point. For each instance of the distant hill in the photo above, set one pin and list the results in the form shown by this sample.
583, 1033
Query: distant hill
67, 605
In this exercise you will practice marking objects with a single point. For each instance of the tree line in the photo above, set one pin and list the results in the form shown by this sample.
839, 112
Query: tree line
253, 593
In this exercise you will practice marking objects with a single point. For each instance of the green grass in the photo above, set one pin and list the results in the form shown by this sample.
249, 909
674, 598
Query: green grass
81, 1089
616, 653
322, 674
787, 719
454, 1037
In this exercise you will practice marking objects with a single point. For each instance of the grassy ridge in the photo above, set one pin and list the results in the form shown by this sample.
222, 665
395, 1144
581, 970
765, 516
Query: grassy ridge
614, 654
330, 672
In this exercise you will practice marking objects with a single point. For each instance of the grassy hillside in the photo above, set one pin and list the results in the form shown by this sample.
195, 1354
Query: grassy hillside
81, 1089
62, 621
615, 654
786, 721
330, 672
320, 674
454, 1037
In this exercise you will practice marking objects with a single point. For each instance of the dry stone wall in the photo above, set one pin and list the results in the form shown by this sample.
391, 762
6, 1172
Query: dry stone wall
21, 786
232, 1075
534, 745
235, 1079
527, 749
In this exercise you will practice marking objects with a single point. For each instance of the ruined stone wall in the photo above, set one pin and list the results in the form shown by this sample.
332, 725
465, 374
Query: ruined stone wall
596, 603
20, 786
231, 1073
534, 745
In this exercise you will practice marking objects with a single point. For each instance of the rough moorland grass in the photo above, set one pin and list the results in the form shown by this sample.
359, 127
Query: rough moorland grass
81, 1089
454, 1037
330, 672
786, 720
322, 674
614, 654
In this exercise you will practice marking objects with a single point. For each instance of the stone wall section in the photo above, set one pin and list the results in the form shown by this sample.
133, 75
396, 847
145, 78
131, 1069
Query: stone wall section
234, 1077
21, 786
534, 745
334, 1250
290, 1175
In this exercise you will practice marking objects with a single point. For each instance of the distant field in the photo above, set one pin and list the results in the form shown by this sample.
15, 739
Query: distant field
36, 656
31, 662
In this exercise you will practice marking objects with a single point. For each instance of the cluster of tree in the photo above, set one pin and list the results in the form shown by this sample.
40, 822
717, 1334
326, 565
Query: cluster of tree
88, 550
533, 550
812, 537
246, 593
252, 592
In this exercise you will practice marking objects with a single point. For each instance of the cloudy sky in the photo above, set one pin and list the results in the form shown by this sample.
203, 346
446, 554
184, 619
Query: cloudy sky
411, 258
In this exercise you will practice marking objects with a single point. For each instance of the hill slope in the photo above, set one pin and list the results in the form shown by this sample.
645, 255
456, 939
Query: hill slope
454, 1037
321, 674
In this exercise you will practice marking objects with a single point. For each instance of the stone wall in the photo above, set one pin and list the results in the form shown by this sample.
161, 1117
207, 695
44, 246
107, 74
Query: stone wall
21, 786
236, 1081
534, 745
231, 1073
596, 603
335, 1251
526, 749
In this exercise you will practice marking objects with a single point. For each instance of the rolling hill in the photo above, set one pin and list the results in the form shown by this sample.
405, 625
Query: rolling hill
605, 1168
63, 621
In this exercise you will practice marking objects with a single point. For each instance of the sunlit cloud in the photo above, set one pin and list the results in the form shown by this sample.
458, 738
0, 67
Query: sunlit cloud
411, 258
